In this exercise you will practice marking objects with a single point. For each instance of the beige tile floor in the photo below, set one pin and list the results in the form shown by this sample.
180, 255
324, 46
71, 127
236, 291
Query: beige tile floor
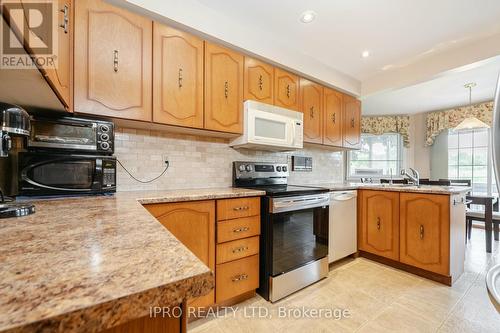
379, 299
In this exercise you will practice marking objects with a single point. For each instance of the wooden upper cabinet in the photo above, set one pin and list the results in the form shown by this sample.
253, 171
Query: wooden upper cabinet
59, 74
425, 235
113, 56
192, 223
332, 121
223, 89
379, 223
311, 95
177, 77
286, 89
352, 122
259, 81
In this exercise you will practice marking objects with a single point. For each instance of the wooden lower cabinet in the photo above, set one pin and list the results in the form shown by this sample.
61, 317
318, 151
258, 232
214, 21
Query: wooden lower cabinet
379, 223
229, 247
193, 223
425, 231
152, 325
237, 277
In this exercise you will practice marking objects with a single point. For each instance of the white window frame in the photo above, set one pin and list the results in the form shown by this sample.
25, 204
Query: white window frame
395, 173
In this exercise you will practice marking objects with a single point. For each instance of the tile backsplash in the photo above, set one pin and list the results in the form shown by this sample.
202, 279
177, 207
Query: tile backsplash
204, 162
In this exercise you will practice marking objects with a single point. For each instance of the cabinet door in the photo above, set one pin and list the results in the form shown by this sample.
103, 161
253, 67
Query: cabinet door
311, 95
259, 81
286, 89
59, 73
223, 89
113, 56
352, 122
193, 223
425, 231
379, 223
332, 121
177, 77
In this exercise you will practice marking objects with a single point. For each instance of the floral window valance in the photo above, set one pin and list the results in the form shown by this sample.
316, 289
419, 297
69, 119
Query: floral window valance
387, 124
439, 121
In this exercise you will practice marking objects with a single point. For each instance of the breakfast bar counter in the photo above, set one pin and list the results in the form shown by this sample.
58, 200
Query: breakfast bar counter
87, 264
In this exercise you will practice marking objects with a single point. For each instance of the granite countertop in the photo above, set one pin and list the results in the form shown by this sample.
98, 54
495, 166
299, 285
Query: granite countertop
89, 263
431, 189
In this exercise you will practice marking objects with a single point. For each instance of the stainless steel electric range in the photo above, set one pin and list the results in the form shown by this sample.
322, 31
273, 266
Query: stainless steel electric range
294, 229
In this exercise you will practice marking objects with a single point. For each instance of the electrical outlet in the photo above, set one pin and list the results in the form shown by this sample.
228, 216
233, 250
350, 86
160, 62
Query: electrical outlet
164, 160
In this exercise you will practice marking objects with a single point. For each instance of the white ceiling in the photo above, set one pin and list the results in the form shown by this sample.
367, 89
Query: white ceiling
443, 92
397, 32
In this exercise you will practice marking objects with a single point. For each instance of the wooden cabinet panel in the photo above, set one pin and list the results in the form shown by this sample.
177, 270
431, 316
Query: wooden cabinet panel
223, 89
236, 208
238, 228
237, 277
193, 223
59, 74
237, 249
286, 89
332, 121
177, 77
352, 122
425, 235
113, 61
311, 96
259, 81
379, 223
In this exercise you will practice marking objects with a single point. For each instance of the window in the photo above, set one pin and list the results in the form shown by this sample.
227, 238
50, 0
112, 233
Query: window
469, 158
377, 156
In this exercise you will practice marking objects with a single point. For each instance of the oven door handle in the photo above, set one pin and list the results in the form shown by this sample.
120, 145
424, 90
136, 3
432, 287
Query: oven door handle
298, 204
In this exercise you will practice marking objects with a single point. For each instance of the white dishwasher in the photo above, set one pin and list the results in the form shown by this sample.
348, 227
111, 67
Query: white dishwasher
342, 235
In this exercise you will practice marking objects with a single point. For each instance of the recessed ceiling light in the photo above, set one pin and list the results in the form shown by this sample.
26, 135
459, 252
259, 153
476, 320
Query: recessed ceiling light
308, 16
365, 54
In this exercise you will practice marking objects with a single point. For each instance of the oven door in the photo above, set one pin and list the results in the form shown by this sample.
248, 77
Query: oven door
63, 134
45, 174
299, 228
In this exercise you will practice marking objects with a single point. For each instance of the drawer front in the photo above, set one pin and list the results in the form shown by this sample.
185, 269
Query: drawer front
237, 249
236, 277
239, 228
235, 208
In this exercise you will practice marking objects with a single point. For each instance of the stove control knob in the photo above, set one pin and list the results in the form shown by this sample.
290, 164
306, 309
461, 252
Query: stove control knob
241, 167
278, 168
284, 168
248, 168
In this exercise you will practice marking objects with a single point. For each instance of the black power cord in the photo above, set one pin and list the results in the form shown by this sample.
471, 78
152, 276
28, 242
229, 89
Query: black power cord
144, 181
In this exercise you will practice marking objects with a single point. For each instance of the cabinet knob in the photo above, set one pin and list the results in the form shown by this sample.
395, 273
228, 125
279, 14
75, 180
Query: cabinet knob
226, 89
65, 23
240, 249
115, 60
241, 229
240, 277
180, 78
421, 232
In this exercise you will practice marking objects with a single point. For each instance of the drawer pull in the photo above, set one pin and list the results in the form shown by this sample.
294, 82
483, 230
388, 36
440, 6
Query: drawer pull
240, 277
115, 60
288, 90
240, 249
260, 82
421, 232
241, 208
378, 223
241, 229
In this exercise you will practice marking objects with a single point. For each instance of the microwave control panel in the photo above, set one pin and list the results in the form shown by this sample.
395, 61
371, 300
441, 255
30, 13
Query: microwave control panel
109, 173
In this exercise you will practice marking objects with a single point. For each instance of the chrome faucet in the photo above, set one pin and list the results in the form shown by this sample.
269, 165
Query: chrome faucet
414, 177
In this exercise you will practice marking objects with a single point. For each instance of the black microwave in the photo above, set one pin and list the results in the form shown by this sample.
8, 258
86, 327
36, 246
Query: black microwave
42, 174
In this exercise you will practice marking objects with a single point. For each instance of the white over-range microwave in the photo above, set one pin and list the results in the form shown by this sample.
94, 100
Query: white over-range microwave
270, 127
